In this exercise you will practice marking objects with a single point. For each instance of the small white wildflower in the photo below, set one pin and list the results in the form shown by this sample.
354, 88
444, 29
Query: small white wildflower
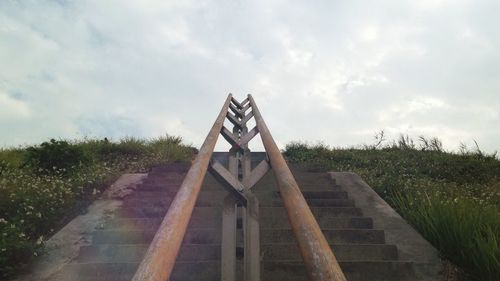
3, 249
2, 220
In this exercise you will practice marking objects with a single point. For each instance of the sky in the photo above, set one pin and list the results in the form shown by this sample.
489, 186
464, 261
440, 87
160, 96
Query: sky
335, 72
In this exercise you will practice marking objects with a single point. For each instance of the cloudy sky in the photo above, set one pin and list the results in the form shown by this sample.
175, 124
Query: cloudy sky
330, 71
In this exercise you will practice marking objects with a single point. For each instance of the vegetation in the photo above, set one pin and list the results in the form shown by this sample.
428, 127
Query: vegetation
42, 187
453, 199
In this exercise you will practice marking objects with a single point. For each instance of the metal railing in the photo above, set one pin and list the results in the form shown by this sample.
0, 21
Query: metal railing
239, 178
318, 257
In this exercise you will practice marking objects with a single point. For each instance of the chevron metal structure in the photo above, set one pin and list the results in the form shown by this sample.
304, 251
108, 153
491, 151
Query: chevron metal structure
238, 179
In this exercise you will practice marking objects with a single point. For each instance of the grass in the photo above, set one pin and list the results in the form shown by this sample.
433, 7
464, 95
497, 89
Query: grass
452, 199
44, 186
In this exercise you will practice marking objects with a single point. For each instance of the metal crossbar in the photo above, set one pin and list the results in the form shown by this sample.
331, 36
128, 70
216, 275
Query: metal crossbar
238, 178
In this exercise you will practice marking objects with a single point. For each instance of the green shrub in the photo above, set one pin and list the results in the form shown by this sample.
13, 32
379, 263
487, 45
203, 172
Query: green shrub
55, 155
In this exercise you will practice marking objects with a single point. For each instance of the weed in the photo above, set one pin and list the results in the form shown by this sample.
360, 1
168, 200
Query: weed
452, 199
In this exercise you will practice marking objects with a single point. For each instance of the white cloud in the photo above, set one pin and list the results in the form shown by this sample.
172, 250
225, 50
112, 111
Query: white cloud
327, 71
13, 109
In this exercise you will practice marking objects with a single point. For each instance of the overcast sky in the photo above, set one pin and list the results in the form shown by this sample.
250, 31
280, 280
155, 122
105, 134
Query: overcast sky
330, 71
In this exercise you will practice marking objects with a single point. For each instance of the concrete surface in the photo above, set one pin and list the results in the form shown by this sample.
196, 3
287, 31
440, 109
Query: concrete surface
64, 246
411, 245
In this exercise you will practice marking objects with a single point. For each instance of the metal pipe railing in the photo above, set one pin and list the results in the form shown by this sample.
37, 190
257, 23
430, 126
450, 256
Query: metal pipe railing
318, 257
160, 258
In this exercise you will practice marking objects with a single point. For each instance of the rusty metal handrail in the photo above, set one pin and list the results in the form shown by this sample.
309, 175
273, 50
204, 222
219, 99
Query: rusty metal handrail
318, 257
160, 258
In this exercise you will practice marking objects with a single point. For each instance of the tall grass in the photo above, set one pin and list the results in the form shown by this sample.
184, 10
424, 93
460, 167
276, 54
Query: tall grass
42, 187
453, 199
466, 232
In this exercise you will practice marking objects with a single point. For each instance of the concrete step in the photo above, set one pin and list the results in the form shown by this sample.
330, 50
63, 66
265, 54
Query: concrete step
200, 217
302, 180
107, 253
139, 193
324, 222
343, 252
167, 175
318, 212
333, 236
302, 187
203, 202
171, 185
205, 198
96, 272
183, 271
161, 178
172, 168
210, 271
333, 193
158, 187
325, 194
164, 199
173, 188
213, 236
193, 236
171, 181
354, 271
152, 211
126, 253
203, 219
178, 179
219, 194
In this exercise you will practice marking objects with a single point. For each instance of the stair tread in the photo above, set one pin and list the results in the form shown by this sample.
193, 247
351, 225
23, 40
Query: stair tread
210, 271
266, 222
213, 235
269, 252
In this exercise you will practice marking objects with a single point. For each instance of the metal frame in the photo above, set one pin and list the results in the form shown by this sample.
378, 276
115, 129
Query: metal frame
238, 178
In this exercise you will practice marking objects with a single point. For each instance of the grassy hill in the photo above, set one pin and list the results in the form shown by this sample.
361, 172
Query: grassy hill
43, 187
452, 199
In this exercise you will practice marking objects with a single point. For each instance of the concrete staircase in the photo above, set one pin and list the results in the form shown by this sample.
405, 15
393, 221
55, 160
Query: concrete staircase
119, 245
